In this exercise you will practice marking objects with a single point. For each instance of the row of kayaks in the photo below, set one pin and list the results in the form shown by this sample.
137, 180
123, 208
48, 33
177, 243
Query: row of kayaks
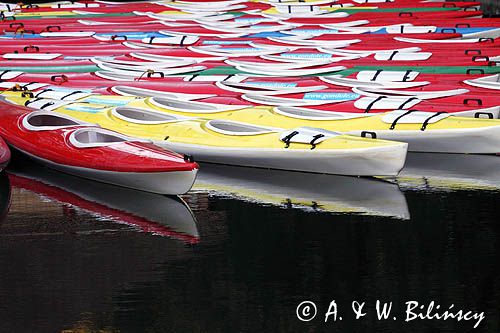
355, 96
109, 91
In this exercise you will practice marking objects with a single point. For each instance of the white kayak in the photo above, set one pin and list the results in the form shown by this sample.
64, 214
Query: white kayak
470, 140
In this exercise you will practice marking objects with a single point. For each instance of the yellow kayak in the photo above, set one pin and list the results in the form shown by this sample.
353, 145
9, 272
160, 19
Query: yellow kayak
228, 142
423, 131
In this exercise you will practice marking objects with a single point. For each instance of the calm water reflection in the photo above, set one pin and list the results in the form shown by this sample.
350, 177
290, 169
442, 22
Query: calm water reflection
241, 251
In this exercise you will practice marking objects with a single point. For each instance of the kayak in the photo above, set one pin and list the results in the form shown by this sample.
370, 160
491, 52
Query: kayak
395, 16
245, 92
424, 131
370, 76
367, 99
174, 84
95, 153
237, 143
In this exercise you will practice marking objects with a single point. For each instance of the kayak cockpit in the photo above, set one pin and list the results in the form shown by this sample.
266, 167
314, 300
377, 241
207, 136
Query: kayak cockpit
46, 121
235, 128
190, 106
92, 137
143, 116
311, 114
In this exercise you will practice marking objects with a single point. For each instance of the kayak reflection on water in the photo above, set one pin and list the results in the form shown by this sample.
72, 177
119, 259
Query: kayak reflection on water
318, 192
148, 212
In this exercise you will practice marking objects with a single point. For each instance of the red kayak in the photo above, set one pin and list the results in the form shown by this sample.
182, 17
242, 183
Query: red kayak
4, 154
88, 151
251, 92
248, 85
422, 4
103, 8
395, 17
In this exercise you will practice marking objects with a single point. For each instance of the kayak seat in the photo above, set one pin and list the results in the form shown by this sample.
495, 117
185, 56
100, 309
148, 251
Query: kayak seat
45, 121
142, 116
235, 128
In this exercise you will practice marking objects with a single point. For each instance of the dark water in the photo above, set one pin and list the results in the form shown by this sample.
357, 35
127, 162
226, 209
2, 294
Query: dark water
241, 251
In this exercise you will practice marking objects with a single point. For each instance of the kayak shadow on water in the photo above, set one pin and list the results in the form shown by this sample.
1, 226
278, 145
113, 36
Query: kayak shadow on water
309, 191
437, 172
148, 212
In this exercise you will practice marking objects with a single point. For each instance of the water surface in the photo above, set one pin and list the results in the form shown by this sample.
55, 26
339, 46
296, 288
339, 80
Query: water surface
246, 246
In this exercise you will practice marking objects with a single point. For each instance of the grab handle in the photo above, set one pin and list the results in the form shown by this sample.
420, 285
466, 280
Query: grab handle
449, 30
16, 24
118, 37
470, 70
409, 14
364, 134
478, 114
478, 101
467, 52
151, 73
63, 78
50, 27
486, 39
484, 58
31, 47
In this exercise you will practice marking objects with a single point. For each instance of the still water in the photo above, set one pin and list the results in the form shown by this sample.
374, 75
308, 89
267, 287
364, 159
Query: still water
246, 246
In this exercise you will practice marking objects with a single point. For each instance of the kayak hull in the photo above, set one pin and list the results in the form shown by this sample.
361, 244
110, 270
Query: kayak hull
364, 162
460, 141
170, 183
